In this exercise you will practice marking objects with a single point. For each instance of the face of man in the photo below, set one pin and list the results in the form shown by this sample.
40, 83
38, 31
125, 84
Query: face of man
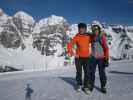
82, 30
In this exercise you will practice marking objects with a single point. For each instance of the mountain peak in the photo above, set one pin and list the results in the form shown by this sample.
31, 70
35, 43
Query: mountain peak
2, 13
23, 15
56, 17
53, 20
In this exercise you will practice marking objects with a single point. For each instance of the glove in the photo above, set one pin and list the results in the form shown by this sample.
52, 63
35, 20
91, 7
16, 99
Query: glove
106, 62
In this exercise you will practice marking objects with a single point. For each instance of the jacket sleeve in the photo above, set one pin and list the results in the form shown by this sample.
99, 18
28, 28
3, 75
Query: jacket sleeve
105, 47
70, 46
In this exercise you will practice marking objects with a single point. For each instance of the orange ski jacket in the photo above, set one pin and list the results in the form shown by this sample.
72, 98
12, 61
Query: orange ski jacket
82, 42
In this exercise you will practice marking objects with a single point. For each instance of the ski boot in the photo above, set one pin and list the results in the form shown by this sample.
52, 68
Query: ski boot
103, 90
103, 87
87, 91
78, 88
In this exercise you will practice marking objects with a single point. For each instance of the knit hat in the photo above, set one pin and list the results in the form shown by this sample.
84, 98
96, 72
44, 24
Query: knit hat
82, 25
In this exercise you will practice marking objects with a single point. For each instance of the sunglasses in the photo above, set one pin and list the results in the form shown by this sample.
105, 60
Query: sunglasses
95, 28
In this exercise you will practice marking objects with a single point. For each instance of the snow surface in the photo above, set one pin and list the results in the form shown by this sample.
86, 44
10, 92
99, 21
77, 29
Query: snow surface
60, 84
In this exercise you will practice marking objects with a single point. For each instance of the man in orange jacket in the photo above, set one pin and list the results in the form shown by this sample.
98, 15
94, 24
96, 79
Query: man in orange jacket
82, 41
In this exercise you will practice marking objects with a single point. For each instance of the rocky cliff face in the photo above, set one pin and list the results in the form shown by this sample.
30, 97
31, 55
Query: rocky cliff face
14, 29
49, 35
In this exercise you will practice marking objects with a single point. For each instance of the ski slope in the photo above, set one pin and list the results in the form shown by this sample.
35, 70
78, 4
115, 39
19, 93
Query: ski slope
59, 84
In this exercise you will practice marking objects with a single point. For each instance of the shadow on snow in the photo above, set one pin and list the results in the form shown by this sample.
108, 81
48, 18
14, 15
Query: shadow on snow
72, 81
119, 72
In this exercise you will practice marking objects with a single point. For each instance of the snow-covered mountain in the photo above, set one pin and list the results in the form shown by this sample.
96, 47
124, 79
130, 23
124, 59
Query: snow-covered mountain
24, 22
120, 42
49, 35
14, 29
26, 42
23, 41
3, 19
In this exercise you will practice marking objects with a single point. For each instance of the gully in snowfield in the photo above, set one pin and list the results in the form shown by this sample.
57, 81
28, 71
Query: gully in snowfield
82, 56
100, 55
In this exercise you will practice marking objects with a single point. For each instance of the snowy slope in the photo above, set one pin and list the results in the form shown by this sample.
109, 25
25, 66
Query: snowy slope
29, 58
120, 41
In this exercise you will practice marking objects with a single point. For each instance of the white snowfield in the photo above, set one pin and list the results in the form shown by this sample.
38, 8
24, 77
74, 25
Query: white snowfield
60, 84
29, 59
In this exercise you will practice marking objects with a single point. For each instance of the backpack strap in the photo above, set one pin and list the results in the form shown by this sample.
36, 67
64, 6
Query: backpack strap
100, 39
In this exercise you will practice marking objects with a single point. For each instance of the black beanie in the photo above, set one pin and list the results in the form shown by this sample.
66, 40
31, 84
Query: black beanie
82, 25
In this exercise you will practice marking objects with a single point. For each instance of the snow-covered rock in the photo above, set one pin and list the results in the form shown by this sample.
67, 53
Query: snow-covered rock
15, 29
73, 30
10, 35
3, 19
50, 32
24, 22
